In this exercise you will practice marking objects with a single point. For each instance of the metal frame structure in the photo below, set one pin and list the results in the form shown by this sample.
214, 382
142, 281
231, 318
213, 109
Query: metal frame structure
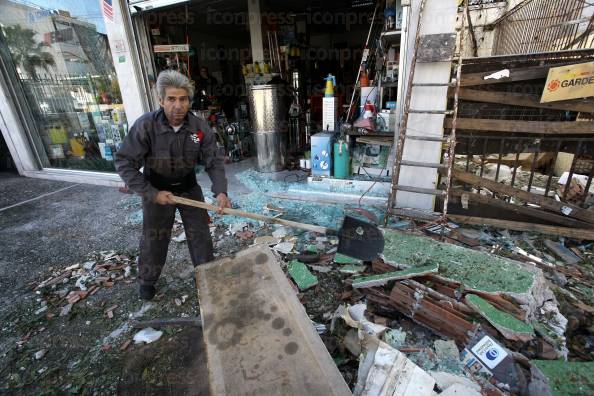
545, 25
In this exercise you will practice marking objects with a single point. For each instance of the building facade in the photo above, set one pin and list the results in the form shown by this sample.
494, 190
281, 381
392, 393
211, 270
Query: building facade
69, 87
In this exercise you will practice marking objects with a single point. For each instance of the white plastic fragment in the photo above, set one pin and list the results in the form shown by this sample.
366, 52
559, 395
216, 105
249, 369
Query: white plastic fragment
40, 354
147, 335
284, 247
354, 316
41, 310
80, 282
237, 227
280, 232
498, 75
180, 238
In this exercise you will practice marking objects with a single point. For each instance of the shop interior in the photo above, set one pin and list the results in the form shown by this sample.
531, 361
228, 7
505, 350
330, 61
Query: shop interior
324, 96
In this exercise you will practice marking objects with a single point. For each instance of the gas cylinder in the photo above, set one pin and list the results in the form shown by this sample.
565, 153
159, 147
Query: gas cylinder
342, 160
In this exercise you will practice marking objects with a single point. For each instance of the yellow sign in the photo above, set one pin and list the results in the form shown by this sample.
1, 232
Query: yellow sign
569, 82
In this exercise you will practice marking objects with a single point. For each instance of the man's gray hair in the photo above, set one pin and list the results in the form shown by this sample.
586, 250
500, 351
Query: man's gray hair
174, 79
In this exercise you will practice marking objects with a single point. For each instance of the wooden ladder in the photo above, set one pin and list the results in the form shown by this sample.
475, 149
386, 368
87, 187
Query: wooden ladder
450, 142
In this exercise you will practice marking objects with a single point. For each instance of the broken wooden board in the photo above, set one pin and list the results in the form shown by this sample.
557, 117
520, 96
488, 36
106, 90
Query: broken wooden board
522, 210
258, 337
548, 203
382, 279
519, 74
510, 327
518, 126
561, 251
579, 234
521, 99
423, 309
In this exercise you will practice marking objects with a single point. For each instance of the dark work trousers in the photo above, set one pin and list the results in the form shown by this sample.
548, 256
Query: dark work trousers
156, 234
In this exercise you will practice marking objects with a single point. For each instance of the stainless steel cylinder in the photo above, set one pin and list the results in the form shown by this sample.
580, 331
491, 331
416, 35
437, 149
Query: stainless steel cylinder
268, 112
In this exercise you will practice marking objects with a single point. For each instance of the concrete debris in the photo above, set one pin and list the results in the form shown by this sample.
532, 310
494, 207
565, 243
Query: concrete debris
395, 338
264, 341
445, 381
447, 351
280, 232
284, 247
266, 240
352, 342
460, 390
384, 370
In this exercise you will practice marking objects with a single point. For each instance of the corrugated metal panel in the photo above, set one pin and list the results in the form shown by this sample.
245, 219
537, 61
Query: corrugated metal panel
545, 25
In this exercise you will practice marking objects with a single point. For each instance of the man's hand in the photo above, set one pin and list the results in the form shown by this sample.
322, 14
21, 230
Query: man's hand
224, 202
164, 198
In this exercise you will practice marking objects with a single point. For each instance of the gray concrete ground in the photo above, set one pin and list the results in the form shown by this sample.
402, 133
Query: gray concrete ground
66, 226
62, 229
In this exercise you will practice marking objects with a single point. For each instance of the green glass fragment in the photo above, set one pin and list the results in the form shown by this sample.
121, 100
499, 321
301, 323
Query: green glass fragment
476, 270
301, 275
498, 318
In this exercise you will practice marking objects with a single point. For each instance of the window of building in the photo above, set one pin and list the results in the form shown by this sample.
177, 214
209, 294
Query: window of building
60, 55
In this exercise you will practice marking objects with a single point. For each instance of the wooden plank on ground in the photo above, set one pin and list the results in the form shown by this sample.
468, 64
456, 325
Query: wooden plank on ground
544, 202
537, 127
520, 99
522, 74
259, 339
525, 210
574, 233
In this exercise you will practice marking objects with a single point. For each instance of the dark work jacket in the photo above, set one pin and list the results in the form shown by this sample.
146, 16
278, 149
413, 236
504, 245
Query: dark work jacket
152, 143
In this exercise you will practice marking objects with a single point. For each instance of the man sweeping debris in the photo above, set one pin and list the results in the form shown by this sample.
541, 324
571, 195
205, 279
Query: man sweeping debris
169, 143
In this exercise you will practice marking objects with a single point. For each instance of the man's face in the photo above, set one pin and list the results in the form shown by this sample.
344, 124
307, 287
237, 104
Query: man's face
204, 73
176, 105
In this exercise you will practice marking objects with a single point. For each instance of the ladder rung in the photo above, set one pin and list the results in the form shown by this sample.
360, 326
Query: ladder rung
423, 164
450, 84
420, 190
417, 111
427, 138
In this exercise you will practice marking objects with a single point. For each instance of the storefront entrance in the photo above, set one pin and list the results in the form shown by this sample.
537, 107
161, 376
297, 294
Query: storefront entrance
59, 65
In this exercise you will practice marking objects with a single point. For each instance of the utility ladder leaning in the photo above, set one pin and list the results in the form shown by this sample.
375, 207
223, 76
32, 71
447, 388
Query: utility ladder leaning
447, 163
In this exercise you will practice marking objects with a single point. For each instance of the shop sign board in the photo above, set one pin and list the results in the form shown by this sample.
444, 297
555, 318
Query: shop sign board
171, 48
569, 82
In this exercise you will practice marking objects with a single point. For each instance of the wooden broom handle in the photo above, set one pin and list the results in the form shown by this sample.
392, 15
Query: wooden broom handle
239, 213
